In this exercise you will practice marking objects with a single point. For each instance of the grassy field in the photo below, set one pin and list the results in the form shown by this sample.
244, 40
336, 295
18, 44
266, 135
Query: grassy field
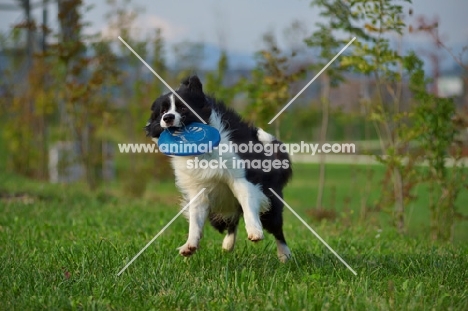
61, 248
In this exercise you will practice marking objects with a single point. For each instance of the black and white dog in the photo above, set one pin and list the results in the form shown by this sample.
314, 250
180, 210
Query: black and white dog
230, 191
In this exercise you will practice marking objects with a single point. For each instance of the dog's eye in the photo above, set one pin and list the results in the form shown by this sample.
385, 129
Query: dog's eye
184, 109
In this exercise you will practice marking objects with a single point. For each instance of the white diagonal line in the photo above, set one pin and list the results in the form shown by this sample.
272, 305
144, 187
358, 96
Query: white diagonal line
160, 232
316, 76
312, 230
162, 80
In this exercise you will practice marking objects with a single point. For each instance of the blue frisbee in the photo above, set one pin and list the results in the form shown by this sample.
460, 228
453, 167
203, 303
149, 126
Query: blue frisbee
193, 139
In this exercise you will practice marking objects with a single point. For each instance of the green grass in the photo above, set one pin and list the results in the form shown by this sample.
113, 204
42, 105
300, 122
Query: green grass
347, 185
61, 248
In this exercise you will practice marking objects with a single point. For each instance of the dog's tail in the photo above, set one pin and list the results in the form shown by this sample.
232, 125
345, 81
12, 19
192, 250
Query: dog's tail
286, 168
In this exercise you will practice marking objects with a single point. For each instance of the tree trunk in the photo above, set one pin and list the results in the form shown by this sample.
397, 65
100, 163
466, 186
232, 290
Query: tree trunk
277, 129
323, 135
399, 203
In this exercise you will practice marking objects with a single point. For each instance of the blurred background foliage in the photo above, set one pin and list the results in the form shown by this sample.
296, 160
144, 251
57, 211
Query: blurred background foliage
92, 91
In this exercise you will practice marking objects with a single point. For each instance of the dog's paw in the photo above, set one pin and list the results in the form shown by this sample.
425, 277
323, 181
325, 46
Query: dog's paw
284, 258
229, 242
284, 254
255, 235
187, 249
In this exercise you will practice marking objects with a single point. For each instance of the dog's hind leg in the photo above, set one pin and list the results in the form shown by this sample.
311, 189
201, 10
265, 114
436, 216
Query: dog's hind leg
230, 238
273, 222
221, 224
197, 214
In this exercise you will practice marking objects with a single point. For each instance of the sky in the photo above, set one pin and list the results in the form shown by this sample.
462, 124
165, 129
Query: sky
239, 25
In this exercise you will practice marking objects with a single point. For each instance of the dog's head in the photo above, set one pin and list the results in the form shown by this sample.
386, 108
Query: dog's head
169, 111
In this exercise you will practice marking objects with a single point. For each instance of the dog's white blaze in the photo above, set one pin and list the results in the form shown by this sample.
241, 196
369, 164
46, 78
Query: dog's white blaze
172, 110
222, 187
265, 137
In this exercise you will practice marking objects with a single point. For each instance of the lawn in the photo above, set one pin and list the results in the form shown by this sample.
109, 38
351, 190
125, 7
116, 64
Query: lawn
62, 246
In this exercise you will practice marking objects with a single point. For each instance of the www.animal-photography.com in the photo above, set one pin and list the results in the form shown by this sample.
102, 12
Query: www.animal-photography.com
243, 155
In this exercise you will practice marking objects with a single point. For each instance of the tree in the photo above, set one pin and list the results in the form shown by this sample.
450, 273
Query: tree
372, 22
324, 40
82, 70
427, 120
268, 90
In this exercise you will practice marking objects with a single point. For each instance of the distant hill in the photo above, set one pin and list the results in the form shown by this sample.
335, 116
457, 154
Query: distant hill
244, 60
211, 53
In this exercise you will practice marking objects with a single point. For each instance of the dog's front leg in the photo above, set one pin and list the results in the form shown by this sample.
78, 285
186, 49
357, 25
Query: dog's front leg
249, 198
197, 214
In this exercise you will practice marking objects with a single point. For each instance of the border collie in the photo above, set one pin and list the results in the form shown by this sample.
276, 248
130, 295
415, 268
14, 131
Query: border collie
230, 192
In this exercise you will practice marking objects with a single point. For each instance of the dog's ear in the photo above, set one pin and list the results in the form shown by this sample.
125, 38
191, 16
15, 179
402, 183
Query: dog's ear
152, 127
154, 106
193, 84
184, 83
